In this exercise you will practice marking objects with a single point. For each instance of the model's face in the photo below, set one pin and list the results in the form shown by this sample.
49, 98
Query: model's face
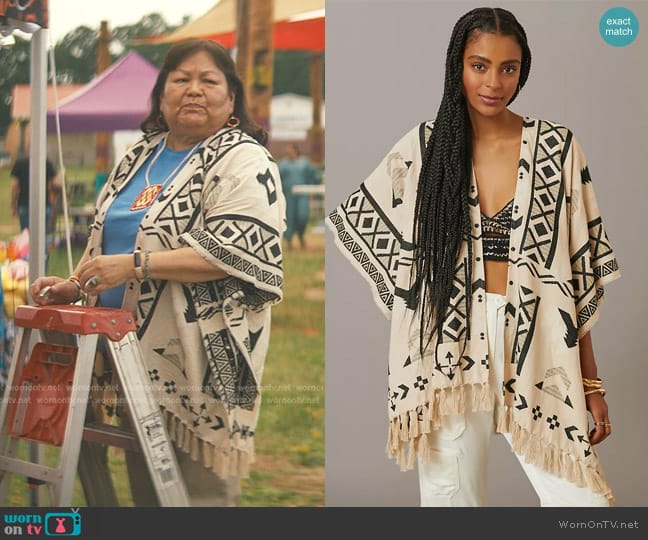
491, 71
196, 101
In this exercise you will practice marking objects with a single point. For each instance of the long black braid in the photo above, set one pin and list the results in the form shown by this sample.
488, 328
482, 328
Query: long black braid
441, 219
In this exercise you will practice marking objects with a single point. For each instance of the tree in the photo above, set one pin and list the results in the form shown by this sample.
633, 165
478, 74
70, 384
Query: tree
15, 70
292, 72
149, 25
75, 55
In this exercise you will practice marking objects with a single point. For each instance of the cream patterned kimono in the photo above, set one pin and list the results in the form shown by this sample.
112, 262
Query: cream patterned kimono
559, 260
205, 343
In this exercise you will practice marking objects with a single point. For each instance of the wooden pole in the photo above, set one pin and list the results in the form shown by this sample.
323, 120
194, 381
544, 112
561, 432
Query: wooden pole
255, 56
316, 132
243, 41
102, 145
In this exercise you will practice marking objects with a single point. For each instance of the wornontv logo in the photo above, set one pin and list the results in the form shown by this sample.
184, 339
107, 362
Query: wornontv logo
52, 524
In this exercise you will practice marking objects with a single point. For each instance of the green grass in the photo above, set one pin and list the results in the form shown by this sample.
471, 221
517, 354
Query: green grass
289, 470
19, 491
290, 434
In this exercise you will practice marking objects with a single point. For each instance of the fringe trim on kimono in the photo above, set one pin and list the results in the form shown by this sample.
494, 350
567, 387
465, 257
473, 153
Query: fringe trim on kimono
408, 437
232, 460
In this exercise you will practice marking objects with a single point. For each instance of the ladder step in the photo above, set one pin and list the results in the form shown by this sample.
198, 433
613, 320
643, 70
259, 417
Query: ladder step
73, 319
70, 333
26, 468
111, 436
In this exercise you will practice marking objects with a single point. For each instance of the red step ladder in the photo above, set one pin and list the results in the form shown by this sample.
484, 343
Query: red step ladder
46, 402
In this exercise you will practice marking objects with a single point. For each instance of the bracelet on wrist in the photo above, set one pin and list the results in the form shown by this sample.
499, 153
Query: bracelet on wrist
592, 383
147, 267
74, 279
601, 391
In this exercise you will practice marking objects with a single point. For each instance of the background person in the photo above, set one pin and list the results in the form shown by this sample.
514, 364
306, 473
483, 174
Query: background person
20, 194
187, 235
296, 170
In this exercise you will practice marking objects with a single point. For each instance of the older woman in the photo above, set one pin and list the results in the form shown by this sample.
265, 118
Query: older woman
187, 235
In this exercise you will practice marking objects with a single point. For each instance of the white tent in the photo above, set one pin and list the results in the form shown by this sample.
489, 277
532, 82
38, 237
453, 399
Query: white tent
291, 116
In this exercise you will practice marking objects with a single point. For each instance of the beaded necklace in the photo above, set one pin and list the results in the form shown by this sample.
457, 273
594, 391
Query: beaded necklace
148, 195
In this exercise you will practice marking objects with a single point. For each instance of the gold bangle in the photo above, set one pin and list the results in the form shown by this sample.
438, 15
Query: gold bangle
592, 383
74, 279
601, 391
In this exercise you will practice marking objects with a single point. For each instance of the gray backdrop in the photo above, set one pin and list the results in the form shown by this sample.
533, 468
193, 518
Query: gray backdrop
384, 74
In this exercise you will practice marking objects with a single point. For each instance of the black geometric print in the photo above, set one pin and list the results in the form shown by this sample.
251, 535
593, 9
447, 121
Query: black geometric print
397, 171
546, 278
406, 260
526, 320
447, 365
198, 412
556, 384
553, 421
539, 241
264, 272
252, 339
179, 210
270, 185
571, 332
523, 402
243, 430
372, 230
425, 130
593, 261
249, 235
172, 352
469, 363
455, 324
508, 386
420, 383
233, 380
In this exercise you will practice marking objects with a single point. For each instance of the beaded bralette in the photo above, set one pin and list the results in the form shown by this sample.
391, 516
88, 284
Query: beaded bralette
496, 231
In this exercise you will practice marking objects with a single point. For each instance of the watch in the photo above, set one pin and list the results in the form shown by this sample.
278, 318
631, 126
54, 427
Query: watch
137, 263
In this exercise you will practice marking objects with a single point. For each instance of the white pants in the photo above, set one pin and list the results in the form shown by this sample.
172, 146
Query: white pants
457, 472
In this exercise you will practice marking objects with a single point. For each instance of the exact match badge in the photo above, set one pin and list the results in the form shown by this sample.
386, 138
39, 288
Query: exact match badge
619, 26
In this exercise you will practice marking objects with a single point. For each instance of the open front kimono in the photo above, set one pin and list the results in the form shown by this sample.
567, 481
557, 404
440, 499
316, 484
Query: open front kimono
205, 343
559, 260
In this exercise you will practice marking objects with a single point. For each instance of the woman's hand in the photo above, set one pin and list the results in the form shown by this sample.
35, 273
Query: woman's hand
105, 272
53, 290
598, 408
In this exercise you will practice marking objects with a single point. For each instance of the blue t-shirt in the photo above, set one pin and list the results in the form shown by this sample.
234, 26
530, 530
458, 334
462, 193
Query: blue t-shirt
121, 223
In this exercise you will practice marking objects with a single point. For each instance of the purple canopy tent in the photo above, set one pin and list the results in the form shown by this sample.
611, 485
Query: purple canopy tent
117, 99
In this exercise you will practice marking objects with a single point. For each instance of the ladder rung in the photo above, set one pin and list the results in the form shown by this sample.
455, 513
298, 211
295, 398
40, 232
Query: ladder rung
27, 468
83, 326
111, 436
